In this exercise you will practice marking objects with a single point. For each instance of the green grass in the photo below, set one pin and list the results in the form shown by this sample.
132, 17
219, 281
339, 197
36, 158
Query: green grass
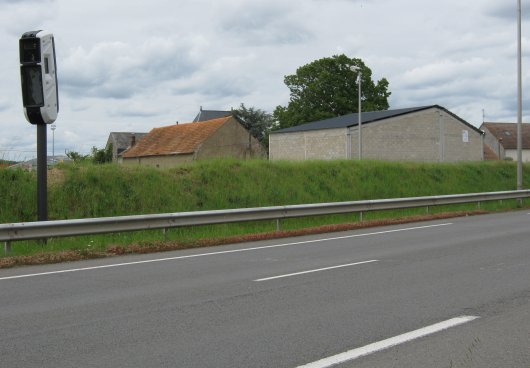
83, 191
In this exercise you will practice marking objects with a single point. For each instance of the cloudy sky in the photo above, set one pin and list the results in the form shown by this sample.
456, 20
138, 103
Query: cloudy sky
135, 65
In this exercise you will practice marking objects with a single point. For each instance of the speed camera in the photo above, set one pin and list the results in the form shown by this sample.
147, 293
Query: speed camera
38, 71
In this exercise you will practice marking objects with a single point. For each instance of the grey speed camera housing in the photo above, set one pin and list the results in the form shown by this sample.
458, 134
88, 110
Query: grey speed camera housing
38, 71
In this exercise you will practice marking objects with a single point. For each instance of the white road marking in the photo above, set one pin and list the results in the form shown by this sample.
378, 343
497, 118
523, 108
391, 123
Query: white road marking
221, 252
316, 270
388, 343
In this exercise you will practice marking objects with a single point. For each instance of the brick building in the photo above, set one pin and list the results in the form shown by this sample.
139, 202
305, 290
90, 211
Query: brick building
428, 133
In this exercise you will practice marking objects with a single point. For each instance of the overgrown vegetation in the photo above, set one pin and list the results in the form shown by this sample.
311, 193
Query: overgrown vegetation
84, 190
96, 156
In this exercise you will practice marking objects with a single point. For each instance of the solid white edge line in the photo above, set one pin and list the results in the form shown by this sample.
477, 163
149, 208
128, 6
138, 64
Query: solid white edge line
388, 343
221, 252
316, 270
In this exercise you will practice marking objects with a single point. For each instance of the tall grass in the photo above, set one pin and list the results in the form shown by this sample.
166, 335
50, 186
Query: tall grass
18, 191
87, 190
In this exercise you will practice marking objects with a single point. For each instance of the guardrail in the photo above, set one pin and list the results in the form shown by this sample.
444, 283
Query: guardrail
61, 228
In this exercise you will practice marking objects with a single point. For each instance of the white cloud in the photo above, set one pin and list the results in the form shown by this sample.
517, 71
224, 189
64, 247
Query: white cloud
445, 72
121, 70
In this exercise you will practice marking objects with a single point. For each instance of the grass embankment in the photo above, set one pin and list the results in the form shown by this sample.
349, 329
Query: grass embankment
81, 191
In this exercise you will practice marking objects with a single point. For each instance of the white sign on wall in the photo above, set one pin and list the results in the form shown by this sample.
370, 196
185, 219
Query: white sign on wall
465, 136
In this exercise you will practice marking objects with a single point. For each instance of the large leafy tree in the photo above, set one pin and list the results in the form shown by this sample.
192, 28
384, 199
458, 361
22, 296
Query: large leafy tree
327, 88
257, 121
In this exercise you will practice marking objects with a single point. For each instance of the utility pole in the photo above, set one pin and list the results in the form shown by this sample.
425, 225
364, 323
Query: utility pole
519, 103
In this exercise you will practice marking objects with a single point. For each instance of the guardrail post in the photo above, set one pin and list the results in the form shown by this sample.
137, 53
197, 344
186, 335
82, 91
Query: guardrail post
278, 225
165, 231
361, 216
428, 210
7, 247
478, 205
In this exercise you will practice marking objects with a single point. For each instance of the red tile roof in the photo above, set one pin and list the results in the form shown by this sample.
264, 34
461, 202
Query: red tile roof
506, 133
175, 139
490, 154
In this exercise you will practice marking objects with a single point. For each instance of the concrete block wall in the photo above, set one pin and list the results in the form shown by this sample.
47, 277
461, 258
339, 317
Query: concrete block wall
409, 137
419, 136
462, 143
325, 144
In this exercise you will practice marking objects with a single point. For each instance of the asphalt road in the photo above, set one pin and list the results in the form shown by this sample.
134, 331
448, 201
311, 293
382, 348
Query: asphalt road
284, 303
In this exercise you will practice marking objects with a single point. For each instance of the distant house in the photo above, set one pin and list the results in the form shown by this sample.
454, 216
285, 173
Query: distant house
121, 141
428, 133
501, 140
205, 115
174, 144
51, 161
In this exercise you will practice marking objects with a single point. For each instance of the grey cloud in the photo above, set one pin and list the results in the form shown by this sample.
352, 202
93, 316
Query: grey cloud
510, 104
134, 113
507, 10
449, 83
445, 72
260, 25
25, 1
217, 86
228, 88
362, 2
119, 70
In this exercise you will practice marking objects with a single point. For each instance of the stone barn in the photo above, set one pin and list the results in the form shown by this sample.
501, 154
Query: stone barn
171, 145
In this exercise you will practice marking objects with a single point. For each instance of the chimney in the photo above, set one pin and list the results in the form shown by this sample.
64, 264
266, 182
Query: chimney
133, 140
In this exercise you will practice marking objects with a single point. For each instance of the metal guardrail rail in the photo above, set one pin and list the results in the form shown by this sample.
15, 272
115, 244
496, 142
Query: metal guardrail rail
62, 228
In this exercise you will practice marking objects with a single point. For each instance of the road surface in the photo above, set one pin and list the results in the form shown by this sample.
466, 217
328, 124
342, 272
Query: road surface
451, 293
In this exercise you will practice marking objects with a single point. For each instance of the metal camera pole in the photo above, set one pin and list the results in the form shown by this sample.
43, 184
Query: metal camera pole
42, 173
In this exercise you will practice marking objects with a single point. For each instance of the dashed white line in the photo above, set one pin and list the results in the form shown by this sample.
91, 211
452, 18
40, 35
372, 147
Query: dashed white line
221, 252
316, 270
388, 343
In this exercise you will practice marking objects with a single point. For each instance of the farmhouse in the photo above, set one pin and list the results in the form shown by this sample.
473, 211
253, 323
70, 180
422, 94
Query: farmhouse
428, 133
501, 140
174, 144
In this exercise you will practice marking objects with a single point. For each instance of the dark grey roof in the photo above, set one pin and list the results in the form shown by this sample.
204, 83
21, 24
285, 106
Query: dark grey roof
122, 140
205, 115
350, 120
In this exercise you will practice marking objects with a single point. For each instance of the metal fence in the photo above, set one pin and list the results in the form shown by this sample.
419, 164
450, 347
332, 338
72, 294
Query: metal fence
61, 228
